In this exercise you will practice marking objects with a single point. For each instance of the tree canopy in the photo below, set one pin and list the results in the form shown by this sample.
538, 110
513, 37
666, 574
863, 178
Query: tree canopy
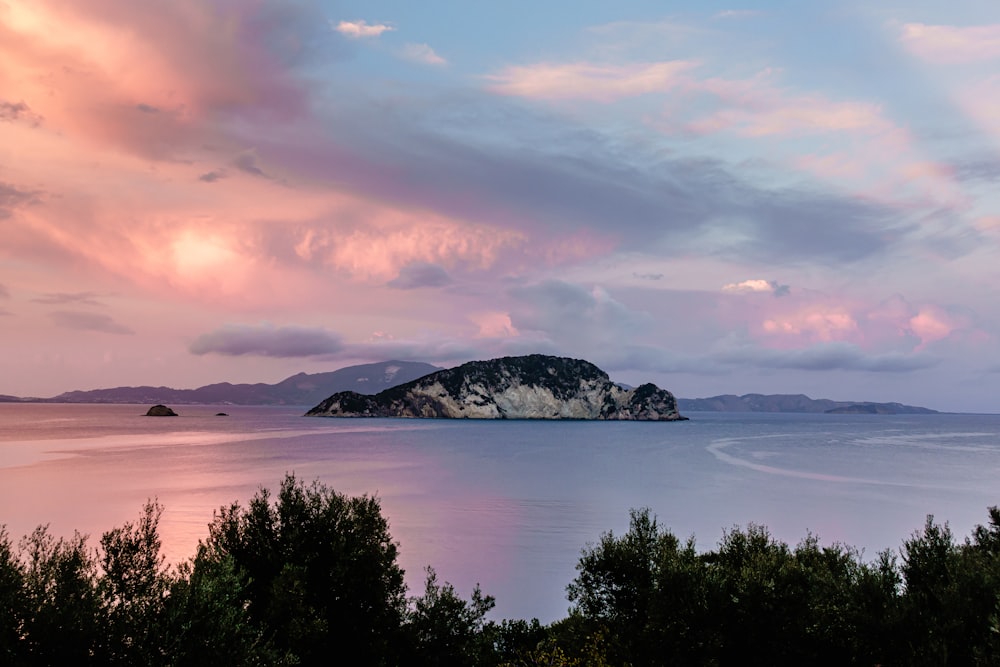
310, 576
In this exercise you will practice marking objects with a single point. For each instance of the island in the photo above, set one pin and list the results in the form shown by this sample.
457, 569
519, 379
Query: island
535, 386
160, 411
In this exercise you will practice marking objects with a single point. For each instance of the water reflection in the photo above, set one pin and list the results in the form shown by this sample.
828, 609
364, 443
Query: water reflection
505, 504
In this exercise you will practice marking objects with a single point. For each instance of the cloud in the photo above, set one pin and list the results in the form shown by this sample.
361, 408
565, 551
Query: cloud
18, 111
736, 14
579, 319
945, 44
70, 319
579, 187
361, 29
756, 107
652, 359
981, 169
213, 176
932, 324
827, 357
438, 350
61, 298
247, 163
422, 53
4, 292
604, 83
873, 152
268, 341
420, 274
12, 198
196, 62
758, 285
648, 276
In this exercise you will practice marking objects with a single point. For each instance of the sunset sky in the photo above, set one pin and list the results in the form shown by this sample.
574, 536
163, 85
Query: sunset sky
774, 197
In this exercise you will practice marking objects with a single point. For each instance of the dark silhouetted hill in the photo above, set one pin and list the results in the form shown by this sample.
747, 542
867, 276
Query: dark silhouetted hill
301, 389
794, 403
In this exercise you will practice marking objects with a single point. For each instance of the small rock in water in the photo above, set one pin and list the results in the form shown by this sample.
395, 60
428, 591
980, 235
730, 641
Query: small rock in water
160, 411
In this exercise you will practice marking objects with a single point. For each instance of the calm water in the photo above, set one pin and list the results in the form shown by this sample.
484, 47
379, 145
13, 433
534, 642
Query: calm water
506, 504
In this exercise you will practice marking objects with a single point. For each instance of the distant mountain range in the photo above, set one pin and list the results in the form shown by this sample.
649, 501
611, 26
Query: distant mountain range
793, 403
305, 389
308, 389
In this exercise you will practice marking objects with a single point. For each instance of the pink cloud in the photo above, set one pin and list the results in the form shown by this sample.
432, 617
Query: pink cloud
755, 107
989, 223
947, 44
875, 156
493, 324
814, 325
806, 318
981, 101
879, 159
603, 83
422, 53
361, 29
932, 324
150, 79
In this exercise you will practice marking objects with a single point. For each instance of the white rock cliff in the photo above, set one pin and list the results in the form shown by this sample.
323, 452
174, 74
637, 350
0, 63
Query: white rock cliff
531, 387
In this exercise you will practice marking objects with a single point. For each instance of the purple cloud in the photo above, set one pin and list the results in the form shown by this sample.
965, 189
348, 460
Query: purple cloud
213, 176
268, 341
420, 274
827, 357
12, 198
61, 298
71, 319
18, 111
247, 163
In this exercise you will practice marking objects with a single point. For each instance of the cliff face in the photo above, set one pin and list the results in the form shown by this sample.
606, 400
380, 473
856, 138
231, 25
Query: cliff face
531, 387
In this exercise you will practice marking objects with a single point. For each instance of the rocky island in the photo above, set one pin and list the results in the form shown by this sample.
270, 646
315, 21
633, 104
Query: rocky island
530, 387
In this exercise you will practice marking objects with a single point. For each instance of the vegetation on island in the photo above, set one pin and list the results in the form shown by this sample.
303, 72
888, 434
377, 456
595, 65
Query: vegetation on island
310, 576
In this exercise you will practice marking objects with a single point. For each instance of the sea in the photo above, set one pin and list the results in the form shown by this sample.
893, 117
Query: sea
508, 505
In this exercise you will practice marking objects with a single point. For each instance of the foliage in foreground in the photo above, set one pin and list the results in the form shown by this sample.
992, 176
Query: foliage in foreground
311, 577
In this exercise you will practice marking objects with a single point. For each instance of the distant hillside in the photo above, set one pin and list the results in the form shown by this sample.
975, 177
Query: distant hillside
794, 403
300, 389
309, 389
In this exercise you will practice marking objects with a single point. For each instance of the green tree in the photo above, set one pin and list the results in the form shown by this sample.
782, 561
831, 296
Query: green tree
514, 639
61, 606
207, 622
932, 607
981, 590
12, 609
618, 592
133, 585
318, 572
447, 631
951, 601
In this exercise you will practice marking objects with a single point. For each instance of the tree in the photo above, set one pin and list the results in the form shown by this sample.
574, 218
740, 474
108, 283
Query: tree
133, 587
447, 631
12, 611
206, 621
619, 588
60, 605
318, 572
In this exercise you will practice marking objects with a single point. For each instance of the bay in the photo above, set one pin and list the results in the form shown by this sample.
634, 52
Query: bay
507, 504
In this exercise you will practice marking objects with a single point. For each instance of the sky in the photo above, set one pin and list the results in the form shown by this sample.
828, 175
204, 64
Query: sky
718, 197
